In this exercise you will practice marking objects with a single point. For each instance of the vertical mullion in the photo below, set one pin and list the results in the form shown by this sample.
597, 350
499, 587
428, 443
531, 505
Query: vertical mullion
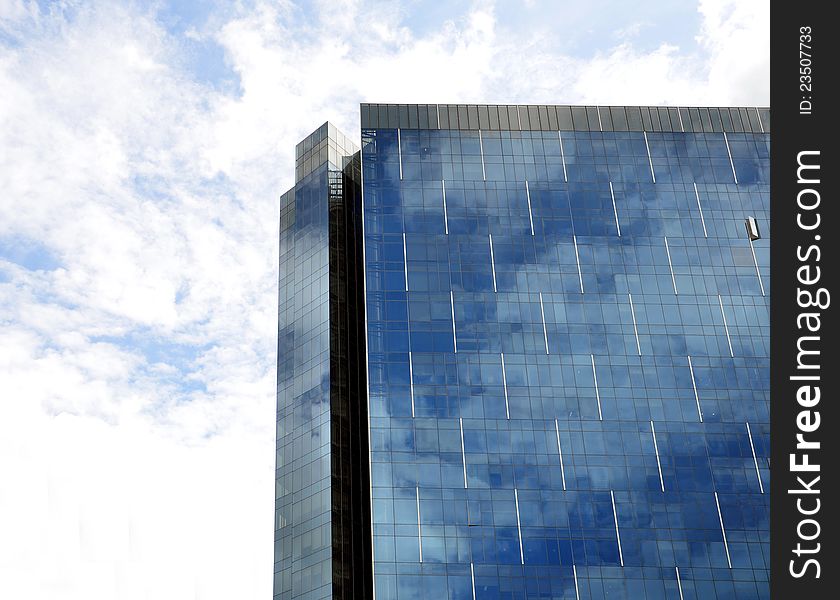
635, 329
679, 583
694, 385
399, 152
445, 216
755, 460
671, 266
530, 213
560, 452
723, 531
731, 164
419, 531
615, 210
726, 327
577, 259
405, 262
518, 525
597, 393
617, 534
700, 208
481, 149
757, 272
563, 157
650, 160
656, 450
411, 380
504, 384
454, 335
545, 332
463, 454
492, 262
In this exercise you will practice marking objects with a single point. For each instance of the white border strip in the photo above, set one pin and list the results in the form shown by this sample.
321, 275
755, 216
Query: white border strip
671, 266
399, 152
615, 210
600, 125
731, 164
694, 385
757, 272
650, 160
518, 526
530, 214
405, 262
679, 584
726, 327
577, 259
723, 531
617, 535
755, 460
679, 116
419, 532
452, 306
463, 454
445, 216
597, 393
574, 574
472, 579
635, 329
560, 452
563, 157
700, 208
492, 262
411, 381
481, 149
658, 464
542, 314
758, 114
504, 384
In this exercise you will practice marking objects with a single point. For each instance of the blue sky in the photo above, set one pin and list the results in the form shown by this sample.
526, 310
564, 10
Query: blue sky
143, 149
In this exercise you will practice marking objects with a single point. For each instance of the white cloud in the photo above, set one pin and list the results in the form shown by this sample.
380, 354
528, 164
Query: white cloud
137, 409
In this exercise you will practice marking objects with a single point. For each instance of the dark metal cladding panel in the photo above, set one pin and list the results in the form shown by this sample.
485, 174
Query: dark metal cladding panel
493, 111
654, 119
592, 118
737, 125
685, 119
534, 117
606, 118
674, 113
619, 118
472, 116
524, 118
413, 119
433, 116
754, 120
552, 118
404, 122
579, 119
504, 121
745, 120
694, 119
393, 116
364, 116
726, 120
483, 117
717, 126
665, 120
634, 118
706, 120
764, 113
544, 124
646, 122
513, 117
423, 116
564, 118
443, 121
454, 117
463, 117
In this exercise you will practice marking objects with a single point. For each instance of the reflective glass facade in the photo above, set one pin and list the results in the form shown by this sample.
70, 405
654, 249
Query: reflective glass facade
567, 351
322, 506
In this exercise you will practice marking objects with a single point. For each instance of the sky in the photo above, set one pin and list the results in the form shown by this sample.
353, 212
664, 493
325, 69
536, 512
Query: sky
143, 150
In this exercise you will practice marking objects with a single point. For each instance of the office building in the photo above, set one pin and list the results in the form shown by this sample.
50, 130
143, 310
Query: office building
555, 382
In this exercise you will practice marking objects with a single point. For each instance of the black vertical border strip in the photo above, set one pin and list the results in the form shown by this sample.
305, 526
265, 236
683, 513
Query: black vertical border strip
793, 133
